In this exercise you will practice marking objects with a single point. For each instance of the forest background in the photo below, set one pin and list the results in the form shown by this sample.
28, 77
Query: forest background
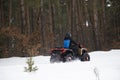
32, 27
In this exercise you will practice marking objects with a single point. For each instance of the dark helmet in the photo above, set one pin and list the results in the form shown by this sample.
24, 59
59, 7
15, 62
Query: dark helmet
68, 34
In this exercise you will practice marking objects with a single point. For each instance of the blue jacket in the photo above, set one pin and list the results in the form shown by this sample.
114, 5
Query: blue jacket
68, 42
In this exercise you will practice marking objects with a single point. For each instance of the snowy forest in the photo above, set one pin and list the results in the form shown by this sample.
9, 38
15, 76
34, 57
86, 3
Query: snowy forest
33, 27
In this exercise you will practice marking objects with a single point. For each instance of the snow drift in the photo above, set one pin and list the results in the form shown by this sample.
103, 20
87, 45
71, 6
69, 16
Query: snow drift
104, 65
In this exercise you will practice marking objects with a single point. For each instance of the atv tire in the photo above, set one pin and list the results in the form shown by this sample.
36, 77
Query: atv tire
69, 57
55, 58
85, 57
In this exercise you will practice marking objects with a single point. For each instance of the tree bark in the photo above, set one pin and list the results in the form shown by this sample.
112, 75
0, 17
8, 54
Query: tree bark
96, 27
42, 24
28, 30
1, 13
80, 21
23, 21
103, 24
51, 23
10, 13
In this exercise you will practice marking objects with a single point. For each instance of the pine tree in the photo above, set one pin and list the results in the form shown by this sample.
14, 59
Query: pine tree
30, 67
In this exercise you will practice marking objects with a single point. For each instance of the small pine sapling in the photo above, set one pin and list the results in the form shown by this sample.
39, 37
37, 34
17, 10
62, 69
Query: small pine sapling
30, 67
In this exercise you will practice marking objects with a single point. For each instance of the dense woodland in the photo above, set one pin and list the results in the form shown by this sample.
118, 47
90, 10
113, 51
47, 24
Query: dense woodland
32, 27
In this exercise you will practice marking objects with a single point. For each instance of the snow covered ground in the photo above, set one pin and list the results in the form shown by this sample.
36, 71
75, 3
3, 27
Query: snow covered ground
104, 65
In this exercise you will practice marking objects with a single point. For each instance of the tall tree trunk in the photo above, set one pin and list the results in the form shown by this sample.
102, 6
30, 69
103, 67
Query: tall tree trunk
28, 30
96, 27
75, 20
69, 10
23, 22
80, 19
103, 24
72, 16
42, 24
1, 13
85, 20
51, 23
10, 13
78, 35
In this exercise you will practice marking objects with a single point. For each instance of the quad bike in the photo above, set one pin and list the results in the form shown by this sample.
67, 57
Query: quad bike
59, 54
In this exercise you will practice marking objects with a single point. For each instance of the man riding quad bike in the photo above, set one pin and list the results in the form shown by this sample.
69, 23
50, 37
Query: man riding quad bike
70, 51
60, 54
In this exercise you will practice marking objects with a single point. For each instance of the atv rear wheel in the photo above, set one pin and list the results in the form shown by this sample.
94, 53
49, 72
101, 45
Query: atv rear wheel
55, 58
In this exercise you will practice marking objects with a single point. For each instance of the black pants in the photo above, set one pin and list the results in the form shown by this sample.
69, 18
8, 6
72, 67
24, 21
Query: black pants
75, 50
